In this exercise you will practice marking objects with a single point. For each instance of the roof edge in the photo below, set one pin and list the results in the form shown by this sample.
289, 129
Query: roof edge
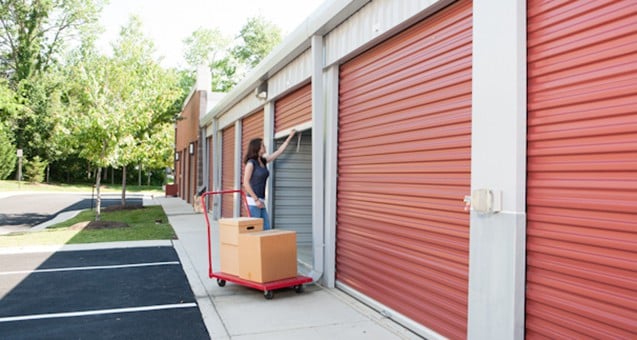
329, 15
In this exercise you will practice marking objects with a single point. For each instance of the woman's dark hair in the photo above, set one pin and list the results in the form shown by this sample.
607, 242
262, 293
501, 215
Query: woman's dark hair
253, 150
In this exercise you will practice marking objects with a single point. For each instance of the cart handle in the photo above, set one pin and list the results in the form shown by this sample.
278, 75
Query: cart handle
244, 200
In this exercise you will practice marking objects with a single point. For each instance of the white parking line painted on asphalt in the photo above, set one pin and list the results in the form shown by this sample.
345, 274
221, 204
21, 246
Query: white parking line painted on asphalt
132, 265
97, 312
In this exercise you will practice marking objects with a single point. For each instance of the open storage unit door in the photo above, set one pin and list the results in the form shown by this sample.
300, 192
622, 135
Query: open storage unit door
293, 193
404, 165
227, 170
581, 182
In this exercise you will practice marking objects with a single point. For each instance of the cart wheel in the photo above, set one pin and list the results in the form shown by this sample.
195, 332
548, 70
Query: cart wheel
221, 282
298, 289
268, 294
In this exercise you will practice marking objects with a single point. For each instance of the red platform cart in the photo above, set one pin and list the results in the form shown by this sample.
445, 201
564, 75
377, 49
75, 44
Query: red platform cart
267, 287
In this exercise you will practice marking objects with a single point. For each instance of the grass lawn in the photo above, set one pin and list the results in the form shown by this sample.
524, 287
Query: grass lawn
148, 223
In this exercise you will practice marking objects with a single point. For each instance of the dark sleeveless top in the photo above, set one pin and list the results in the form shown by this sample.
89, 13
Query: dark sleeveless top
259, 177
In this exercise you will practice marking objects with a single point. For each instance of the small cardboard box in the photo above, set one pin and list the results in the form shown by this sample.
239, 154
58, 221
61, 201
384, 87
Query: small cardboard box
230, 228
196, 204
268, 255
229, 259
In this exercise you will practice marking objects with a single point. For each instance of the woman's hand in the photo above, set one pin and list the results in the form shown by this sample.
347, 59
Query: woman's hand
259, 204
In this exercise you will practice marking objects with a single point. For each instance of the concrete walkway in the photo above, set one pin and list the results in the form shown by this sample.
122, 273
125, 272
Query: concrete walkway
237, 312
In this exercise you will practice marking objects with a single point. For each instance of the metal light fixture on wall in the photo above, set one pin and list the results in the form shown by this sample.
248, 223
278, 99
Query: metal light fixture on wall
191, 148
261, 91
176, 156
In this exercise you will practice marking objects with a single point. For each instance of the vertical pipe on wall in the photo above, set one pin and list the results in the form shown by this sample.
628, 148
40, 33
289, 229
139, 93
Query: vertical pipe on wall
318, 155
238, 128
331, 172
216, 167
498, 162
268, 141
204, 157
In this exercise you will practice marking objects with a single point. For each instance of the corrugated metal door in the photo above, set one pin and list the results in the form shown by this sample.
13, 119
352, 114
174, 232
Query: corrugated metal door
404, 164
227, 170
293, 109
252, 128
293, 188
582, 178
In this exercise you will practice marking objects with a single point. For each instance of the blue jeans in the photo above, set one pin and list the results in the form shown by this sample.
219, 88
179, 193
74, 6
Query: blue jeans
262, 213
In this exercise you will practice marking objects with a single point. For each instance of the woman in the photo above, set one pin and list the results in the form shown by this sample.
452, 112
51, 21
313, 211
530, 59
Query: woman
256, 174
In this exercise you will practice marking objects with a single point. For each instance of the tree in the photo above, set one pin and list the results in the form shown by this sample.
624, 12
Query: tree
210, 47
117, 103
152, 90
7, 153
256, 39
205, 47
34, 33
98, 119
228, 63
9, 111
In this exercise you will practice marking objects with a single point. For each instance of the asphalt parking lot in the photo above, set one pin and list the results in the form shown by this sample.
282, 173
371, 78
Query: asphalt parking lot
133, 293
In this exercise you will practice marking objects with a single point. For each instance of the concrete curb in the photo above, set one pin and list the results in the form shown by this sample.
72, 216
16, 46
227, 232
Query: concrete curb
85, 246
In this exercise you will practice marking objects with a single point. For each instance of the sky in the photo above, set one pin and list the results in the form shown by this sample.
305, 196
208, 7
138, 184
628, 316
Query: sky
169, 22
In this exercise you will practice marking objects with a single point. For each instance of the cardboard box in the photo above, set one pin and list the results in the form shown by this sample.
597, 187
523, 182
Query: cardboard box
268, 255
196, 204
229, 259
230, 228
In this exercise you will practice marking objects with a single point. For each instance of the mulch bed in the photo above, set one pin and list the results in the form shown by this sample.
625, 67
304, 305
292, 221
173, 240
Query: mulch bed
107, 224
98, 225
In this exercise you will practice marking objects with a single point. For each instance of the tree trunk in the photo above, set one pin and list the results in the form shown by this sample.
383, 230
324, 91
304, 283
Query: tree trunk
139, 175
124, 186
48, 173
98, 205
112, 176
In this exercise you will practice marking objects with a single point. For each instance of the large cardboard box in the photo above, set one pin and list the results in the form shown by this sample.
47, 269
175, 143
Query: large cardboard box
229, 259
268, 255
229, 230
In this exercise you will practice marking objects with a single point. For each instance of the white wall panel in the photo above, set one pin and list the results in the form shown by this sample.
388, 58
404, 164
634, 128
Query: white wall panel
293, 74
246, 106
371, 21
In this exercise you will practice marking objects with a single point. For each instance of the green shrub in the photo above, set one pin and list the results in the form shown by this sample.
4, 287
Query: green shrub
34, 170
8, 155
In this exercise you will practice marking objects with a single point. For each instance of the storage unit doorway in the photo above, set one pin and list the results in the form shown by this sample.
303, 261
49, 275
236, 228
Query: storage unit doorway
293, 193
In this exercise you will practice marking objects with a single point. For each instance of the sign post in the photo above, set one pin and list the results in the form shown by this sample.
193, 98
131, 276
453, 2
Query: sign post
19, 153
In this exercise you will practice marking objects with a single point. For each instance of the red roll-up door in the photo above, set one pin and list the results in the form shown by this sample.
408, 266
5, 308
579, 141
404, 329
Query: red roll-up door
252, 128
582, 162
293, 109
227, 170
404, 164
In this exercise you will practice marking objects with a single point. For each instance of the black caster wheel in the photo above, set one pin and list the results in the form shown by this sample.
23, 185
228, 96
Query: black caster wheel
268, 294
221, 282
298, 289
